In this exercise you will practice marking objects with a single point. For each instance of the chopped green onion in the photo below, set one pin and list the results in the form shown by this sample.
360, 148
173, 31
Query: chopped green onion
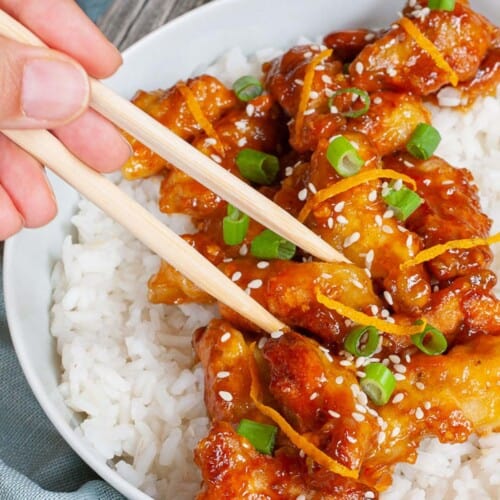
424, 141
344, 157
378, 383
403, 202
257, 166
442, 5
362, 341
247, 87
353, 113
431, 341
269, 245
262, 436
234, 226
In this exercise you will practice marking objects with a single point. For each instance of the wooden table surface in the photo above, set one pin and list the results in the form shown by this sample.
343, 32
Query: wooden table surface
126, 21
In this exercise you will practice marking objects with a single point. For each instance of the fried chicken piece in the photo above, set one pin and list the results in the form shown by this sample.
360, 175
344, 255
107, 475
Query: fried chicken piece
397, 62
170, 109
358, 223
237, 130
446, 396
451, 211
233, 469
288, 291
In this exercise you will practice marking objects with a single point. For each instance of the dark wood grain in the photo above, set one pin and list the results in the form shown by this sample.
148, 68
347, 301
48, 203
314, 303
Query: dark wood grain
126, 21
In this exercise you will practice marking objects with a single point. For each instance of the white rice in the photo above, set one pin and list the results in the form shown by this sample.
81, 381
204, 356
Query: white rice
127, 365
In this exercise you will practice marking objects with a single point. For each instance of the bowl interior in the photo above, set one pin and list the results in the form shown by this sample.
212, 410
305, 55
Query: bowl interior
173, 52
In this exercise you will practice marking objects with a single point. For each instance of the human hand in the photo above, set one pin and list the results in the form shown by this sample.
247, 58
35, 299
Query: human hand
43, 88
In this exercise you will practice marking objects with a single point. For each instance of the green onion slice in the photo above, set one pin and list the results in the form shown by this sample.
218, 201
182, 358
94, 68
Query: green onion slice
269, 245
234, 226
262, 436
442, 5
403, 202
423, 142
353, 113
379, 383
362, 341
247, 87
431, 341
344, 157
257, 166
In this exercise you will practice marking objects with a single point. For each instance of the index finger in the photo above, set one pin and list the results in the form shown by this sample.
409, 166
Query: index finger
63, 26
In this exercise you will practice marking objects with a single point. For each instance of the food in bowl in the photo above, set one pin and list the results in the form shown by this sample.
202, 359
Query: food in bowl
348, 127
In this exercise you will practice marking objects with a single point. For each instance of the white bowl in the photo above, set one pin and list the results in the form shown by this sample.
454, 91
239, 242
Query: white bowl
174, 51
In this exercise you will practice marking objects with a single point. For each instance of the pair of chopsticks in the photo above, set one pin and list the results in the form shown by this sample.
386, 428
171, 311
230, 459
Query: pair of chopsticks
145, 227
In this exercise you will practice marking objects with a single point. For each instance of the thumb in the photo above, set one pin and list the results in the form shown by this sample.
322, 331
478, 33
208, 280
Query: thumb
40, 88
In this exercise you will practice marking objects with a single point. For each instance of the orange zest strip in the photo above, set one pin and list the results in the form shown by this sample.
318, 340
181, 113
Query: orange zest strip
307, 87
435, 251
349, 183
199, 116
363, 319
426, 45
297, 439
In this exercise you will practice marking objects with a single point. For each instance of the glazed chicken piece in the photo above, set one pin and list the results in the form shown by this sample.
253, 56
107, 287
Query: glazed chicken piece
256, 127
170, 109
397, 62
360, 225
446, 396
232, 469
451, 211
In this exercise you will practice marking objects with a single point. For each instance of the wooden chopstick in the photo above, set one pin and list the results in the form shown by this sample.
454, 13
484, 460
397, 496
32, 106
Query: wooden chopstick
194, 163
142, 224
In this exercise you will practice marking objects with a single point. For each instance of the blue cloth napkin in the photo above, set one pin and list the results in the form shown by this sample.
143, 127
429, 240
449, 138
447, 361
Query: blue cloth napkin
35, 462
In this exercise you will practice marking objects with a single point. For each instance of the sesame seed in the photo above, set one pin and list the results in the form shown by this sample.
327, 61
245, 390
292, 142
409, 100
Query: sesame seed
419, 413
241, 125
308, 54
334, 109
357, 284
339, 380
361, 361
263, 264
242, 142
243, 249
298, 81
400, 368
312, 188
236, 276
394, 358
333, 414
227, 259
262, 342
381, 437
319, 67
277, 334
378, 220
426, 182
359, 68
372, 196
339, 207
390, 320
387, 229
388, 214
351, 439
377, 100
302, 454
369, 495
407, 357
358, 416
398, 398
388, 298
395, 432
313, 396
250, 109
226, 396
374, 309
223, 374
330, 222
409, 241
225, 337
254, 284
210, 141
399, 377
385, 313
427, 405
360, 408
309, 111
345, 362
216, 158
361, 374
369, 37
350, 240
370, 255
313, 94
342, 220
288, 171
326, 79
391, 71
302, 194
329, 92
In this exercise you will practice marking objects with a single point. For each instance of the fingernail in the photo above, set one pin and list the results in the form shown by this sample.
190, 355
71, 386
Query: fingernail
53, 90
